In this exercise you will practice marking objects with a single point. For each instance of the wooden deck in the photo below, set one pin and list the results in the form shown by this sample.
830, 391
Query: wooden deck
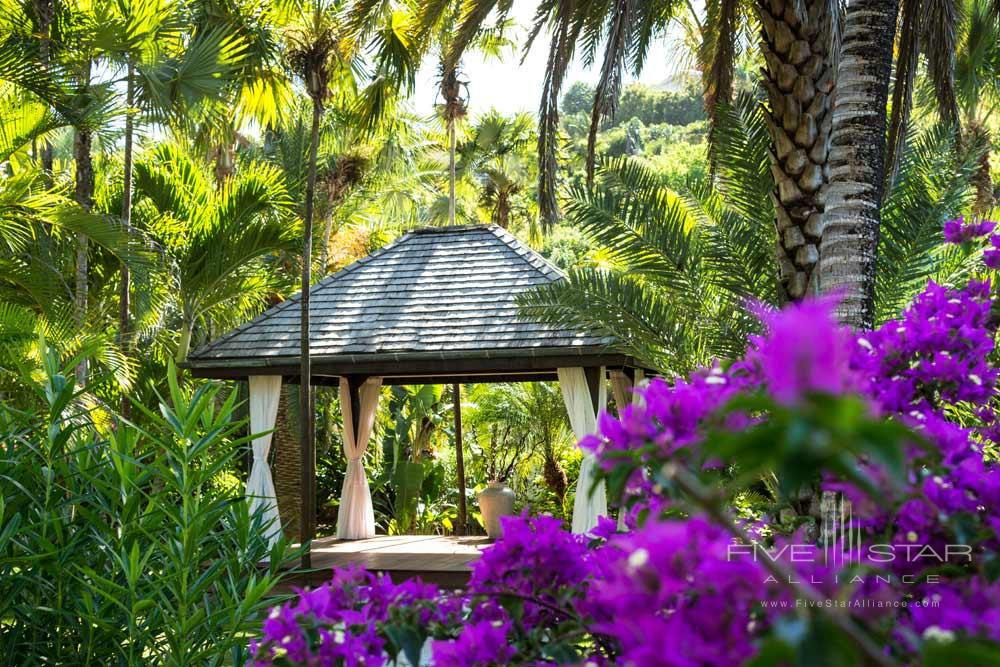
445, 561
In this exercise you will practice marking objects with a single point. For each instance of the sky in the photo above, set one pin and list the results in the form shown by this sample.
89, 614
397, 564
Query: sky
509, 86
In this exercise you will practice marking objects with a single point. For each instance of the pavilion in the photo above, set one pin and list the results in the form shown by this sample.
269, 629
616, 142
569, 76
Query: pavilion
436, 306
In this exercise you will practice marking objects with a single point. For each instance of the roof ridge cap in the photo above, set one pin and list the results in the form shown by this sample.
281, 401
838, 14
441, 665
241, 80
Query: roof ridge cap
519, 247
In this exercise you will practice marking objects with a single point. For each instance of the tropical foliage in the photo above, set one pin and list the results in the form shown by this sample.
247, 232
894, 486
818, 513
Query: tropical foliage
125, 543
171, 168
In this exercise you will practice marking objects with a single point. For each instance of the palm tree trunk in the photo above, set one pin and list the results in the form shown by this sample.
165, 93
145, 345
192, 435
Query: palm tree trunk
799, 78
324, 252
451, 171
849, 245
123, 287
184, 344
84, 193
306, 416
44, 13
977, 134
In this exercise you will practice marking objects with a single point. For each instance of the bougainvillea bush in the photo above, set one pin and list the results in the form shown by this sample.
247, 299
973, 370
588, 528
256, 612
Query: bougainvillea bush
832, 498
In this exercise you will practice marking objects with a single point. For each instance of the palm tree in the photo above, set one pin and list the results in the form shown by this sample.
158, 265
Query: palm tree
323, 45
213, 235
43, 13
497, 155
453, 110
40, 225
977, 89
679, 268
798, 45
169, 68
57, 55
258, 91
857, 160
313, 54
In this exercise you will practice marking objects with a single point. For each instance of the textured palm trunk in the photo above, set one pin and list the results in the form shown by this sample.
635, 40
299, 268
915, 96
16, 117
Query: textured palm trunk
849, 245
977, 134
454, 110
451, 171
799, 77
555, 477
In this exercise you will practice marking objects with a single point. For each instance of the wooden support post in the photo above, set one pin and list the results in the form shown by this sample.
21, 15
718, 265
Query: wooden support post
459, 460
354, 383
594, 379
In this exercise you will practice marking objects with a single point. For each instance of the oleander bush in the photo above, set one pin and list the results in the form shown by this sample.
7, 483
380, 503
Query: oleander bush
118, 543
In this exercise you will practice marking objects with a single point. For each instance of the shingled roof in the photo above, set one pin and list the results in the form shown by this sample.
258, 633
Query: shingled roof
436, 293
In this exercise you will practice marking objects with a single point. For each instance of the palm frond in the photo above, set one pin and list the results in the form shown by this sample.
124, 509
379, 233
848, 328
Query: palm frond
912, 23
621, 23
940, 37
649, 324
717, 57
933, 184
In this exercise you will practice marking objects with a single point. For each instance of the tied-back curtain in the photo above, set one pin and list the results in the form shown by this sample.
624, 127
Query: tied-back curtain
356, 518
265, 390
624, 393
587, 507
622, 389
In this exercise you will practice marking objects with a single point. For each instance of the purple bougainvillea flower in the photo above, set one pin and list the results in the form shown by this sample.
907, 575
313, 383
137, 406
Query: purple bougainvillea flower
481, 644
959, 231
804, 350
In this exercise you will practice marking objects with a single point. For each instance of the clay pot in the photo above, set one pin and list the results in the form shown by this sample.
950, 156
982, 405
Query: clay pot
495, 501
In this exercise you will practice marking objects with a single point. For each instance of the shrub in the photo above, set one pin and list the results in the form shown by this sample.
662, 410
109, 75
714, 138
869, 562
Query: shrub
116, 545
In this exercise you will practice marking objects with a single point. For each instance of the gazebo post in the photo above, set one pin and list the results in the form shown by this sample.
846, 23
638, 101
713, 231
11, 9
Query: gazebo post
594, 380
459, 459
354, 383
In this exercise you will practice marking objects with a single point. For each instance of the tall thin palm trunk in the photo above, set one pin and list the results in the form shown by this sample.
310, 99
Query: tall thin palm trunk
84, 193
451, 171
306, 416
324, 251
848, 250
797, 45
45, 13
124, 339
454, 109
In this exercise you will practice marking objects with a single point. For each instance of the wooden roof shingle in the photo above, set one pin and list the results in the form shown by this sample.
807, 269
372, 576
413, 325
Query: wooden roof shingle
445, 292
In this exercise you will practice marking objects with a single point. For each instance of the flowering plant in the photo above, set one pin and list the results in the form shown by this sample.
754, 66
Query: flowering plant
875, 542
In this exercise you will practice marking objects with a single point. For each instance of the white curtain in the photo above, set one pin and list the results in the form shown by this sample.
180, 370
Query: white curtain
356, 518
621, 387
265, 390
587, 508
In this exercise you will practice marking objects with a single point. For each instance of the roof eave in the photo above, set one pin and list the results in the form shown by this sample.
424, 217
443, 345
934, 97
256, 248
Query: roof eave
416, 363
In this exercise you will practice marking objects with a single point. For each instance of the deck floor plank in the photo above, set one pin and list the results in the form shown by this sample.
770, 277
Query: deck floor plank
443, 560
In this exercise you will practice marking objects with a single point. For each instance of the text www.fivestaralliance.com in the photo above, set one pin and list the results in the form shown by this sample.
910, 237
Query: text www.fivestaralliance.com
801, 603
